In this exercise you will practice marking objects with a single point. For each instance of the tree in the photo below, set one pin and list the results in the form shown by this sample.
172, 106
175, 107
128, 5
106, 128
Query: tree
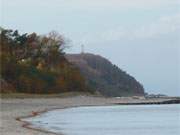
36, 64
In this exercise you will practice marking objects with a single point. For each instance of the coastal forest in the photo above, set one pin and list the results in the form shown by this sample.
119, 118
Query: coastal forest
104, 77
32, 63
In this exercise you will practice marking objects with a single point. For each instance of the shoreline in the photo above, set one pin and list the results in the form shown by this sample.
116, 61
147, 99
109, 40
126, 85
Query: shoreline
13, 111
29, 125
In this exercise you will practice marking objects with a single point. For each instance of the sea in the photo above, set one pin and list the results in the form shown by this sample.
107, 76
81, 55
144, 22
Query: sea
112, 120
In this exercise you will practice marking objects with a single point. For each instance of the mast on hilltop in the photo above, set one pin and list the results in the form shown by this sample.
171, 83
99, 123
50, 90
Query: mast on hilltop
82, 49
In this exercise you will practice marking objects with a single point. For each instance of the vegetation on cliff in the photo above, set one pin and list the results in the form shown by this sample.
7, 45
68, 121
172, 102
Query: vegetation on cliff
32, 63
104, 77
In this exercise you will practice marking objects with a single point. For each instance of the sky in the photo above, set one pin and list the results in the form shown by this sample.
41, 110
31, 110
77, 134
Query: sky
142, 37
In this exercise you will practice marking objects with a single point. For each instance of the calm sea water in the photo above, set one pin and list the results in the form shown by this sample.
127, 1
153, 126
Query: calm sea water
112, 120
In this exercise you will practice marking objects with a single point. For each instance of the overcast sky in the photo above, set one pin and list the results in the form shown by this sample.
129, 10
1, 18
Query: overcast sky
142, 37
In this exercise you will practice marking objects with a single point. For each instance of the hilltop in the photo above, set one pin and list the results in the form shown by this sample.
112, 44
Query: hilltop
104, 77
32, 63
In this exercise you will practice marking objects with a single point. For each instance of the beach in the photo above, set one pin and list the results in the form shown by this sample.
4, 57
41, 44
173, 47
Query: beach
13, 109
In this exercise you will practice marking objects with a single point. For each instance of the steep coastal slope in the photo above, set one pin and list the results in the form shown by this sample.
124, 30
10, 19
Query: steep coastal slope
104, 77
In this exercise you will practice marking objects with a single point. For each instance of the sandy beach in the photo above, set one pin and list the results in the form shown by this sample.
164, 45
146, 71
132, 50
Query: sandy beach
14, 108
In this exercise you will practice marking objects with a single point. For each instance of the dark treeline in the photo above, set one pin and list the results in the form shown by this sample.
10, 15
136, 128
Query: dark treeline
32, 63
104, 77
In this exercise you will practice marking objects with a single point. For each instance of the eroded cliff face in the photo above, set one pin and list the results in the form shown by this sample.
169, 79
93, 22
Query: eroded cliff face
104, 77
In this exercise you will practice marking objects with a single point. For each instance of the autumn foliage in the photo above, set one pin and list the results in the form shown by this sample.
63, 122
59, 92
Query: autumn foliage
33, 63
